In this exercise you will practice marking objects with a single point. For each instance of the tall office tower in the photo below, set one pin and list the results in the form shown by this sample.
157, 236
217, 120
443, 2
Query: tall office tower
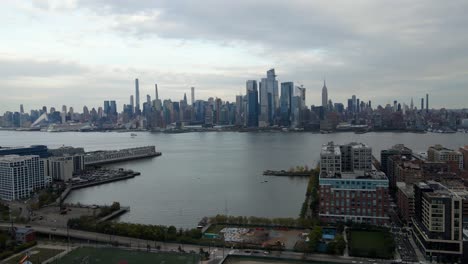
395, 106
422, 104
271, 76
399, 107
137, 96
411, 104
106, 107
324, 96
64, 108
427, 103
21, 109
268, 98
100, 112
239, 110
252, 110
185, 98
301, 92
156, 91
353, 98
192, 95
113, 107
20, 175
44, 109
370, 104
358, 109
285, 102
132, 103
148, 99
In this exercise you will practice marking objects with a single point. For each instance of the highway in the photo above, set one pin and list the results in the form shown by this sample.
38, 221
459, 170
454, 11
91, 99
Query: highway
217, 254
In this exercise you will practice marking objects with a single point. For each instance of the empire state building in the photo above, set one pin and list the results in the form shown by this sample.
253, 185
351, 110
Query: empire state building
324, 96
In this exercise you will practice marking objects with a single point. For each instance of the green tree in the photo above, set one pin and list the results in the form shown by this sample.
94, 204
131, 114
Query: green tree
314, 238
340, 245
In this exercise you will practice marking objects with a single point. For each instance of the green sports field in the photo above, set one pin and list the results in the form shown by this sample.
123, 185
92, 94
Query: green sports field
374, 244
120, 256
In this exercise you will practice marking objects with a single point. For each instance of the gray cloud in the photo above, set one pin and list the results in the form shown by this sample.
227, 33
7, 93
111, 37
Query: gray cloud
11, 68
379, 50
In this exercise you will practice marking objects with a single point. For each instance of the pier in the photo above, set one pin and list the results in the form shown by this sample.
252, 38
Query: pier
287, 173
112, 156
115, 214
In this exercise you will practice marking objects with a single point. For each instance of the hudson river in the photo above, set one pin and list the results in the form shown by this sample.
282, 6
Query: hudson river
204, 174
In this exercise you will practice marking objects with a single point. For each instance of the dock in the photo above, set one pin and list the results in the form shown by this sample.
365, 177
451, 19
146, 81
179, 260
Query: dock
115, 214
112, 156
287, 173
99, 182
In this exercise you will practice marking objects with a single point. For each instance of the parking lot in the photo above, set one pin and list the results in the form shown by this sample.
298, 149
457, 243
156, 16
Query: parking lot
51, 216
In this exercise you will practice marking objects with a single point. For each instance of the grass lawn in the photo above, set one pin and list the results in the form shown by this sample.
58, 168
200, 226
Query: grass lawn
37, 255
215, 229
118, 256
373, 244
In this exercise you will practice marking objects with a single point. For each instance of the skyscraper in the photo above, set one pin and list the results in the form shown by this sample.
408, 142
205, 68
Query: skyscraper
137, 96
427, 103
156, 91
252, 104
21, 109
192, 96
411, 104
285, 102
354, 101
106, 107
422, 104
269, 99
324, 96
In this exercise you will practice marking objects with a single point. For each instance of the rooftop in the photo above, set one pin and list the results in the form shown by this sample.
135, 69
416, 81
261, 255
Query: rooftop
407, 189
446, 189
364, 175
331, 148
16, 158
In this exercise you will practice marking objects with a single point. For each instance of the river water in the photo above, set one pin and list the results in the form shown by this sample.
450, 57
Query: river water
204, 174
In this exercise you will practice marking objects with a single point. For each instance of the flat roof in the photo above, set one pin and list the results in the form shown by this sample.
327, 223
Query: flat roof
357, 175
16, 158
407, 189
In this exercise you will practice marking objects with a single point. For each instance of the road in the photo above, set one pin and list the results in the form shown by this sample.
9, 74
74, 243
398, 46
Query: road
217, 254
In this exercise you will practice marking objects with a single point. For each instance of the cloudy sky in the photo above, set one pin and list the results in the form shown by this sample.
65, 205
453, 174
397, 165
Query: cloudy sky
81, 52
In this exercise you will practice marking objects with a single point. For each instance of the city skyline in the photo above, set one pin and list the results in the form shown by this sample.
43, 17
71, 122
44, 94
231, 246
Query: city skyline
134, 98
394, 52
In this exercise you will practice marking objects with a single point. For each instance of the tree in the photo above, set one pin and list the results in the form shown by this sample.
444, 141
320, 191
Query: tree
115, 206
340, 245
314, 238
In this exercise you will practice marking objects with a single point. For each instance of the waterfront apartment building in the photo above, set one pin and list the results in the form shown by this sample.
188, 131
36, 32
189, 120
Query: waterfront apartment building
437, 221
345, 158
349, 188
405, 201
438, 153
20, 176
357, 197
